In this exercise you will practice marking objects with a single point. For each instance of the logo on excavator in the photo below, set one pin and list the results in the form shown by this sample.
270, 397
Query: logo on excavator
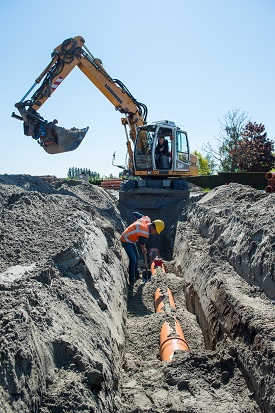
113, 93
56, 83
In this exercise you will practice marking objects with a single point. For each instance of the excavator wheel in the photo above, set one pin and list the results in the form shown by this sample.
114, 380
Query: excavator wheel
180, 184
128, 185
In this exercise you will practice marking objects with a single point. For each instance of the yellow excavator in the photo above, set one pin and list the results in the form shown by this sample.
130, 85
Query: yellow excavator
143, 168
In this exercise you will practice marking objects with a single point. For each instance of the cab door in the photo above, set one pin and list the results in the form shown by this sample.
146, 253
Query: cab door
181, 156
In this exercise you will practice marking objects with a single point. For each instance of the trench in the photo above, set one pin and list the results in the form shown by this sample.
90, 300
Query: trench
164, 242
216, 333
210, 329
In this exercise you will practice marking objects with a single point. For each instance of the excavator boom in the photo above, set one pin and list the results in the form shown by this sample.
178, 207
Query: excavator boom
71, 53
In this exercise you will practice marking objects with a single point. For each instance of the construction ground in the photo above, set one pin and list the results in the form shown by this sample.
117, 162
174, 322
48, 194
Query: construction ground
76, 338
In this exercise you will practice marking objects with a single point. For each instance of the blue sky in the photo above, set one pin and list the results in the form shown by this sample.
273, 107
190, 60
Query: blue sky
189, 61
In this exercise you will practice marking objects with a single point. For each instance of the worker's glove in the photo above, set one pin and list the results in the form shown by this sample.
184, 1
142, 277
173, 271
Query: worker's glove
137, 215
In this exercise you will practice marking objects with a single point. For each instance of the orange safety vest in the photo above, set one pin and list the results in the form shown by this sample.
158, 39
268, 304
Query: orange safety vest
139, 228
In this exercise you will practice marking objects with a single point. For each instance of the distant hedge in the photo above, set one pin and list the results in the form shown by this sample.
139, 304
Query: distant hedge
256, 180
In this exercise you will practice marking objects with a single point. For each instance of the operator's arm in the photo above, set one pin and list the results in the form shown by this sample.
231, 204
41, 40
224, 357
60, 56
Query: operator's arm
165, 148
157, 150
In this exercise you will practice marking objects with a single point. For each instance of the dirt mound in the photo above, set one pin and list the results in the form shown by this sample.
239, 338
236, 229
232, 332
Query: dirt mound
237, 221
74, 337
62, 317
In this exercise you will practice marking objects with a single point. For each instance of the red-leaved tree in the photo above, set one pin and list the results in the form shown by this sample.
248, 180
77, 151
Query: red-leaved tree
254, 152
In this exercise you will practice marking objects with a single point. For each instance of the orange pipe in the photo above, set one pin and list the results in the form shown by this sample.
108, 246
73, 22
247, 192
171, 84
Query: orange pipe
155, 260
268, 188
109, 183
171, 299
157, 264
159, 298
159, 301
269, 175
171, 339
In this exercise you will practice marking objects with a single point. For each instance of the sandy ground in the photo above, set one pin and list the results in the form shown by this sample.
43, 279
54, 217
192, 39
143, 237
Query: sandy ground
76, 338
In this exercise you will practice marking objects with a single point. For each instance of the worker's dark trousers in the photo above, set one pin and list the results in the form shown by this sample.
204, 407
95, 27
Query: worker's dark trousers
132, 252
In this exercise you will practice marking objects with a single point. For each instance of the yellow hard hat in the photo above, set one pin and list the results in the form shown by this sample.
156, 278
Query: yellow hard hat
159, 224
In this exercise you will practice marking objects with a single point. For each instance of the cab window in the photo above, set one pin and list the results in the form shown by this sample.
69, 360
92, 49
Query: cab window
182, 146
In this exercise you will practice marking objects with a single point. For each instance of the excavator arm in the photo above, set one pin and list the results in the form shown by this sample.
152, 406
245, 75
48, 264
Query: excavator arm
71, 53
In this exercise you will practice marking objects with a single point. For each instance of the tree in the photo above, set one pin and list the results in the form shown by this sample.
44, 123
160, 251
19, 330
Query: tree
205, 167
254, 152
69, 174
223, 156
74, 172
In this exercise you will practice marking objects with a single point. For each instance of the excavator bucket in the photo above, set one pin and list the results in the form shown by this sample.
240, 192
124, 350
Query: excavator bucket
60, 140
53, 139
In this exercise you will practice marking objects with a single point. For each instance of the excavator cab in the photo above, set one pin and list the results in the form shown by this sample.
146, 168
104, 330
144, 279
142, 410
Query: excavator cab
145, 158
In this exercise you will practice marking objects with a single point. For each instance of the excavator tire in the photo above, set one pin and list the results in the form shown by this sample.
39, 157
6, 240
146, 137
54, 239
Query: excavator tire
180, 184
126, 186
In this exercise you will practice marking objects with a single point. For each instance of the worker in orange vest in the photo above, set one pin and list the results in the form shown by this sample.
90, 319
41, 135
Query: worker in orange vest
138, 231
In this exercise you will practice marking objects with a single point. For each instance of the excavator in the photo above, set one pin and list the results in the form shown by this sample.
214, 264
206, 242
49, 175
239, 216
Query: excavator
142, 169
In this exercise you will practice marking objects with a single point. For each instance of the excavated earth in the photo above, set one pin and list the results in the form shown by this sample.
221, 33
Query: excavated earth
76, 338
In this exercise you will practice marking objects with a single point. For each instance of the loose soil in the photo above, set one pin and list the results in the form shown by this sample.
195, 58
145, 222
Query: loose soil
76, 338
